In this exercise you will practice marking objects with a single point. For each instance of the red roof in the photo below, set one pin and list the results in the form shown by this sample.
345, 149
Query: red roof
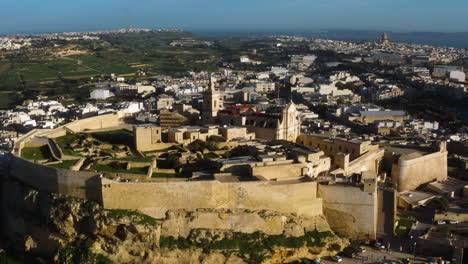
243, 106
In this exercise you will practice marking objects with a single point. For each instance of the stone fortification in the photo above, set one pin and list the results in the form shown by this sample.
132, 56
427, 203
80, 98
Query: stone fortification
81, 184
334, 145
50, 228
156, 199
96, 122
409, 174
370, 161
350, 211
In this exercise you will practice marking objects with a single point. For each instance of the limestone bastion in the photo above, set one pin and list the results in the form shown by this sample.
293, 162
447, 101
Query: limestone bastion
64, 209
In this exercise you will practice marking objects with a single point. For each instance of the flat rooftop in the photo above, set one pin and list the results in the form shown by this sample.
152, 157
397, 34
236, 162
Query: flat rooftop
416, 197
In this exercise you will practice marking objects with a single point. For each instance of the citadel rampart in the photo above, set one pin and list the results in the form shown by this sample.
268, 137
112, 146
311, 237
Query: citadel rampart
350, 211
331, 146
96, 122
155, 199
409, 174
81, 184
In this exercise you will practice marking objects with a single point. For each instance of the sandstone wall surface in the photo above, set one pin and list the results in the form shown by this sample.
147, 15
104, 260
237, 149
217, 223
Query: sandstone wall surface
79, 184
156, 199
410, 174
96, 122
350, 211
279, 172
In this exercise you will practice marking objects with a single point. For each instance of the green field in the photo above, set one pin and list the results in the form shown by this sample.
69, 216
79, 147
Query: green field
404, 226
5, 100
120, 54
65, 141
31, 71
36, 153
115, 137
66, 164
170, 175
114, 168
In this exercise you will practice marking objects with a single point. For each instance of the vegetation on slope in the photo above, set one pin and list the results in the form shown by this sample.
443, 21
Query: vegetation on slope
256, 245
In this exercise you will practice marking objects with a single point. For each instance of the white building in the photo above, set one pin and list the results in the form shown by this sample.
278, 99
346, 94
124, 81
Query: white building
457, 76
101, 94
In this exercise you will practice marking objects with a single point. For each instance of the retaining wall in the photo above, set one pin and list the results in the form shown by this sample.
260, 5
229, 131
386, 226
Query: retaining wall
410, 174
79, 184
350, 211
155, 199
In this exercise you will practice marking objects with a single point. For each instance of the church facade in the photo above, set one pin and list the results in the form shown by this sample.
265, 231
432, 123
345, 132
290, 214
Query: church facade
212, 102
276, 123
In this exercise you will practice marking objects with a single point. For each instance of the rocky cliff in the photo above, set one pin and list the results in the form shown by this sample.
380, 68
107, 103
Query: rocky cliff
46, 227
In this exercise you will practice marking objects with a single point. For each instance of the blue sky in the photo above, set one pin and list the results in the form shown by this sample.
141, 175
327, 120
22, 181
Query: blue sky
398, 15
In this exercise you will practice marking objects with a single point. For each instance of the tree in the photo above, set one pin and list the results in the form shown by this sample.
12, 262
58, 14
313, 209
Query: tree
196, 146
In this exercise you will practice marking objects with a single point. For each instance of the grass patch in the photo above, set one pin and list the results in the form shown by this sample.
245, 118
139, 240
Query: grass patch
211, 155
81, 252
118, 168
170, 175
5, 100
163, 150
65, 144
116, 137
135, 216
404, 226
256, 244
66, 164
36, 153
138, 159
5, 259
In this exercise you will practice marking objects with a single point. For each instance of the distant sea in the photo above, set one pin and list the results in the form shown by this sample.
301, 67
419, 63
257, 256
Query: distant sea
453, 39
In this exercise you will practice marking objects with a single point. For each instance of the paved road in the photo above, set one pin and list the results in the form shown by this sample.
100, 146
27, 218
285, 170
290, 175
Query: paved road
377, 256
55, 149
385, 211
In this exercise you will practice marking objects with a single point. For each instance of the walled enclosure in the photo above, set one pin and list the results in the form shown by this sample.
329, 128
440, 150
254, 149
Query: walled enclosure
155, 199
412, 173
96, 122
350, 211
332, 146
79, 184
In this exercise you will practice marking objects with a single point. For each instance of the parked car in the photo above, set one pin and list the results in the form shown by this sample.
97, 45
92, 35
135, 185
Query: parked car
361, 250
337, 258
349, 253
453, 222
379, 245
440, 222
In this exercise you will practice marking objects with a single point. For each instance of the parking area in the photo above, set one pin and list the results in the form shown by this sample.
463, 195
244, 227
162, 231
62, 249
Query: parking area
373, 255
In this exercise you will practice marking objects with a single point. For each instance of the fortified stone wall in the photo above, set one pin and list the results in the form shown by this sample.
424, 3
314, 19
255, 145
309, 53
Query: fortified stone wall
147, 138
281, 172
350, 211
333, 146
96, 122
155, 199
79, 184
370, 161
410, 174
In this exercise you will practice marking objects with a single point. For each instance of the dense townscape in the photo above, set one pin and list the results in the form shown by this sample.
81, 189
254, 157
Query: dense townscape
352, 151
